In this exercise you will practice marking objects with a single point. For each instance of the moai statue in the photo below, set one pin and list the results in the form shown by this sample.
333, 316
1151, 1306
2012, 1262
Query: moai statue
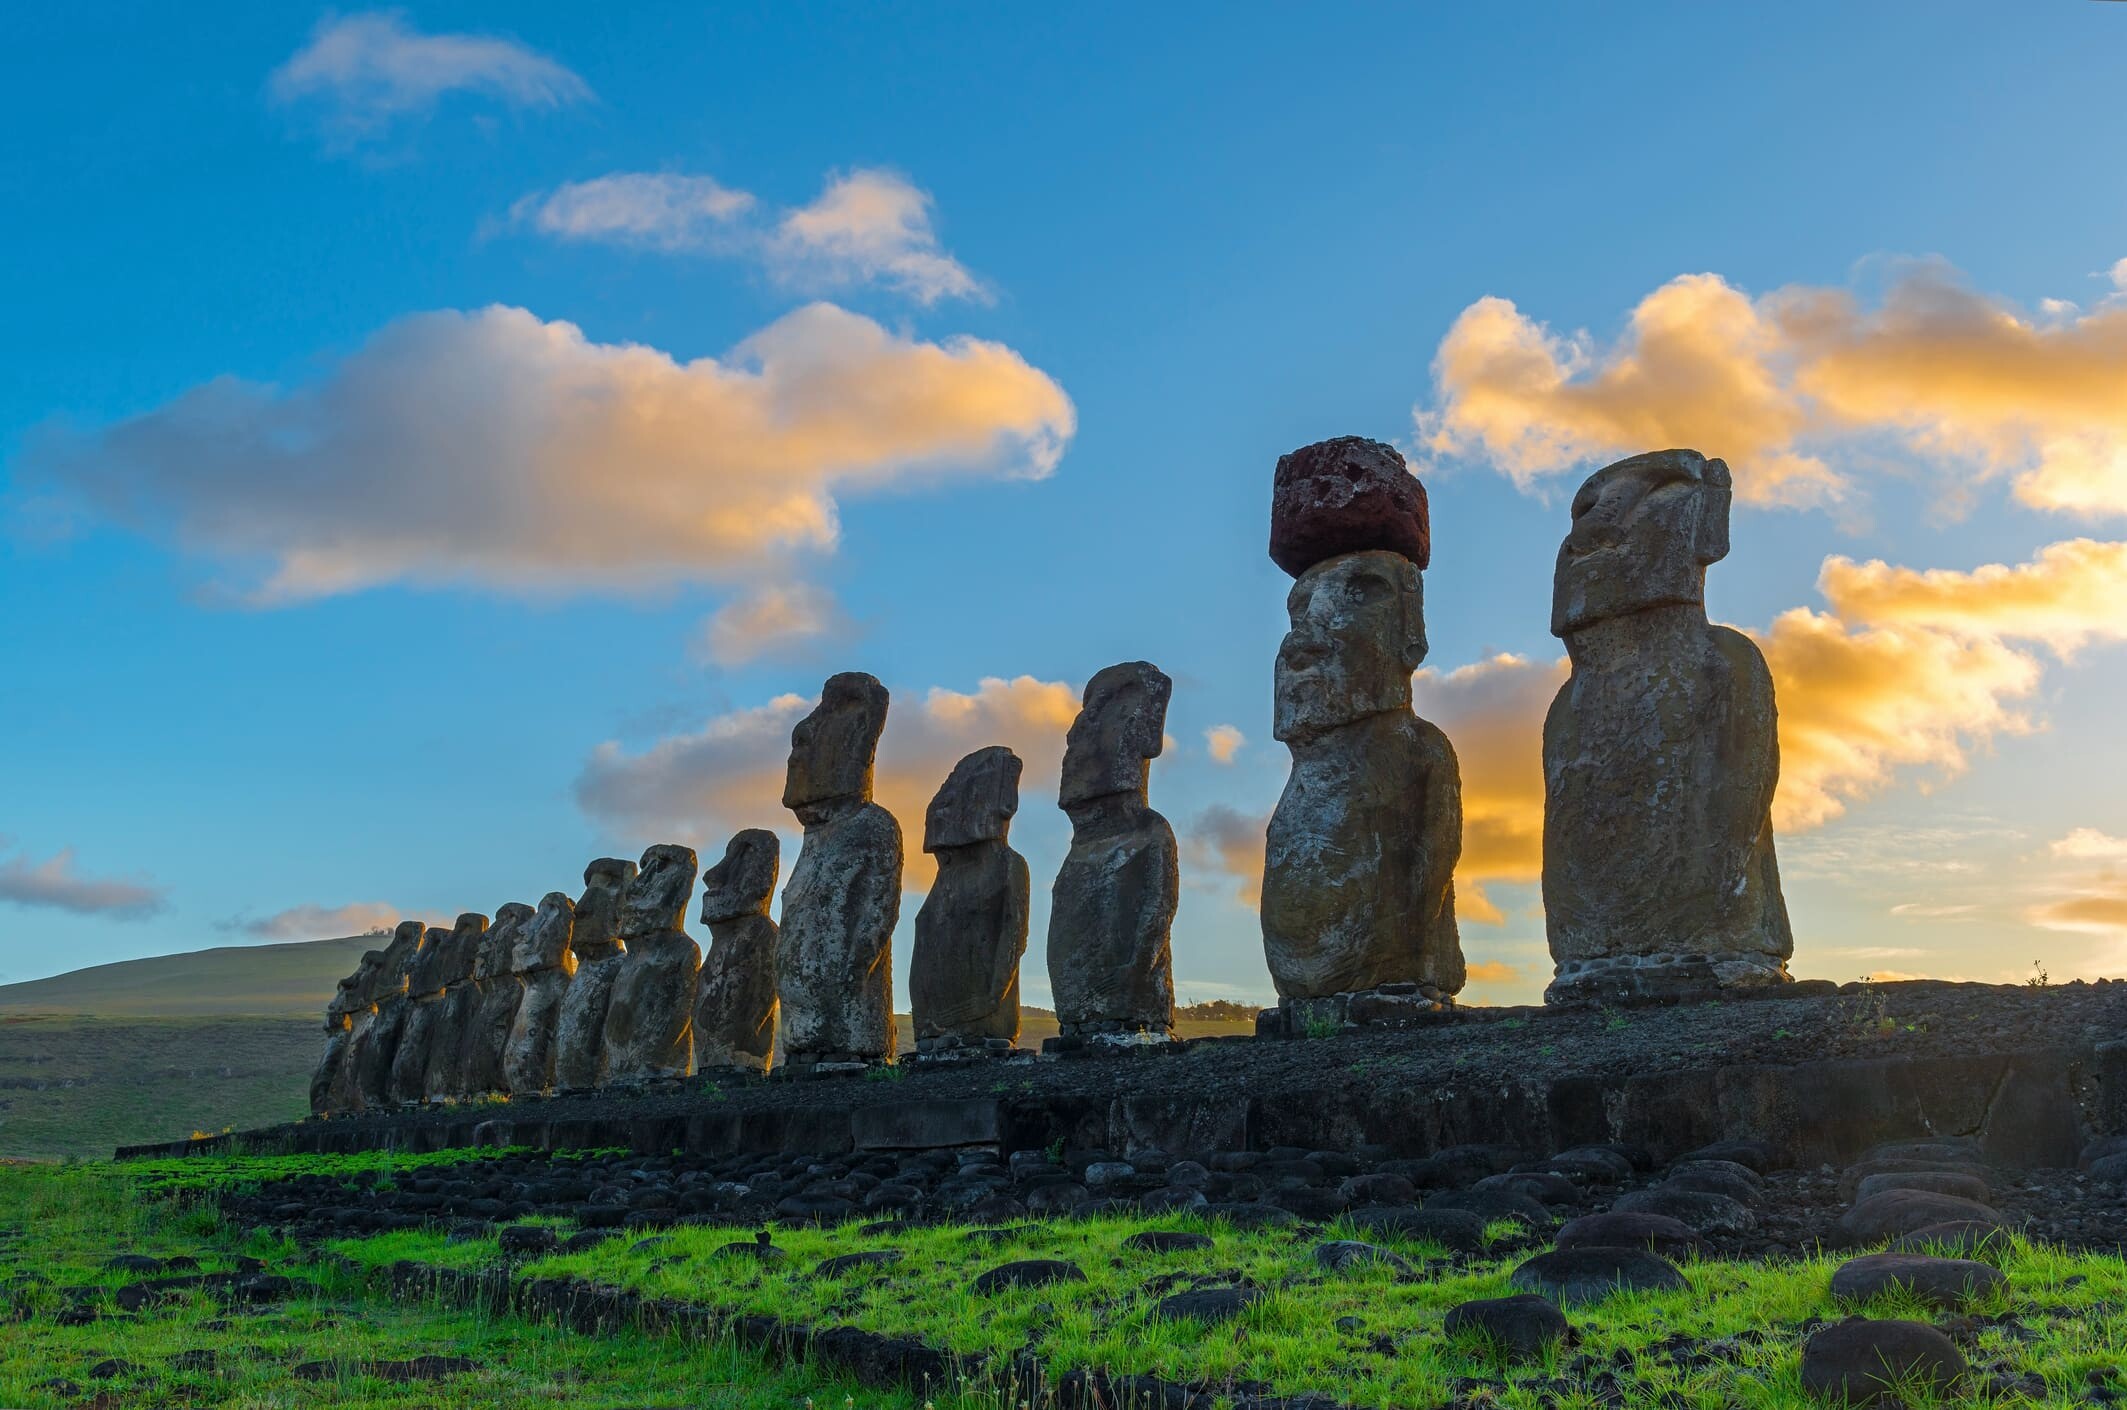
834, 958
1109, 965
963, 982
1359, 861
332, 1082
735, 1004
650, 1018
580, 1033
379, 1028
1660, 752
445, 1075
425, 1014
543, 963
500, 991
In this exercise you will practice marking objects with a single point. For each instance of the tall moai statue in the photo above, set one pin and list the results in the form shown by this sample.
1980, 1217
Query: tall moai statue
963, 981
1359, 861
735, 1003
460, 951
498, 992
835, 956
332, 1081
1110, 968
1660, 751
543, 963
580, 1032
425, 1014
650, 1018
379, 1029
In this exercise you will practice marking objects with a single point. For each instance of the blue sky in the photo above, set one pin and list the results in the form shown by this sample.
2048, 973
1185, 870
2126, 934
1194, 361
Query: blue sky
311, 636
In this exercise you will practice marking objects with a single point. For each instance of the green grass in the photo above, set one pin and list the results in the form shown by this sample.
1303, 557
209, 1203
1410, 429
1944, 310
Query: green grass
290, 980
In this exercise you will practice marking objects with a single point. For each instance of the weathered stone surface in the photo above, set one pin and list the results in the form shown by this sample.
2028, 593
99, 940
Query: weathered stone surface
963, 980
580, 1032
735, 1003
1660, 752
1859, 1362
424, 995
543, 962
1895, 1212
1570, 1277
374, 1042
1519, 1327
500, 991
1113, 905
1947, 1283
1346, 495
650, 1016
1657, 1233
834, 957
331, 1080
459, 951
1359, 862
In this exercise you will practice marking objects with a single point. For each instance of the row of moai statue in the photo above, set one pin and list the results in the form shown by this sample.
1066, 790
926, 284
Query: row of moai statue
1660, 761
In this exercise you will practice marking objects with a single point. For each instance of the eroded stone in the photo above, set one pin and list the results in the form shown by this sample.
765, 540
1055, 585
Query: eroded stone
735, 1005
650, 1014
544, 962
1346, 495
972, 929
580, 1031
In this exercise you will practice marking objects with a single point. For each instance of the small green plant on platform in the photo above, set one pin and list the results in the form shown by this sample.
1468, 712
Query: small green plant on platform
2039, 978
1322, 1028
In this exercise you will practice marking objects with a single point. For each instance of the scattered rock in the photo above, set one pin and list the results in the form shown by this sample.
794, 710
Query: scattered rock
1657, 1233
528, 1239
1947, 1283
1455, 1230
1168, 1241
1489, 1205
1755, 1154
1519, 1327
847, 1263
1935, 1182
1897, 1212
1862, 1363
1343, 1255
1574, 1276
1205, 1305
1701, 1211
1028, 1273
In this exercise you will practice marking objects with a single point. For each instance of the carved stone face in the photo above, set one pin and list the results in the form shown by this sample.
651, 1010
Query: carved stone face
500, 942
1644, 531
1119, 730
976, 801
597, 924
1358, 631
656, 901
741, 884
544, 943
832, 749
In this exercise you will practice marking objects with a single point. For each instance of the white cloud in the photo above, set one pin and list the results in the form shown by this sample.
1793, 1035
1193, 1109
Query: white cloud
1227, 842
651, 210
774, 619
54, 884
322, 922
362, 72
2088, 844
494, 449
2069, 594
1223, 742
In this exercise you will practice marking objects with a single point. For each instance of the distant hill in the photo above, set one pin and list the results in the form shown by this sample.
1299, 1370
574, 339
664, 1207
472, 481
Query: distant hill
278, 981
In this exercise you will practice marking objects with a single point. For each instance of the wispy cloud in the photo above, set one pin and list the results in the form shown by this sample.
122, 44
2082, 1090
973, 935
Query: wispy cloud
55, 884
1224, 743
363, 73
1225, 842
320, 922
772, 620
649, 210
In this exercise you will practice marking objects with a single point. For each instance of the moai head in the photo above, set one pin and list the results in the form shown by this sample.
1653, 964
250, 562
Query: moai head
462, 947
976, 801
432, 964
832, 749
1644, 531
656, 900
355, 992
741, 884
1346, 495
1358, 631
1120, 729
400, 957
544, 941
499, 944
597, 931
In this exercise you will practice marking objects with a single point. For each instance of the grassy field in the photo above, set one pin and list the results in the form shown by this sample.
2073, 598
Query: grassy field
280, 981
1367, 1336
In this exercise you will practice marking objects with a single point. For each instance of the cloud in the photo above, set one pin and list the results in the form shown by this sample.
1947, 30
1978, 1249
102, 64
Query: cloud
1227, 842
2070, 594
870, 226
1223, 742
322, 922
1881, 952
774, 619
1492, 972
1920, 910
702, 786
363, 72
2088, 844
648, 210
495, 449
54, 884
1778, 383
2096, 912
1493, 713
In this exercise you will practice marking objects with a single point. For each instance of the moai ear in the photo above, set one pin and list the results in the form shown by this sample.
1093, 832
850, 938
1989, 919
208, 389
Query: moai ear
1711, 543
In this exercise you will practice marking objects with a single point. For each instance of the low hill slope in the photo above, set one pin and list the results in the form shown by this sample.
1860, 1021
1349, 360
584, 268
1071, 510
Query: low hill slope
286, 980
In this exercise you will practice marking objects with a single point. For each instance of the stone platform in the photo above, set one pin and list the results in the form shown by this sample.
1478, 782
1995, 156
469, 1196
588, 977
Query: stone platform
2033, 1074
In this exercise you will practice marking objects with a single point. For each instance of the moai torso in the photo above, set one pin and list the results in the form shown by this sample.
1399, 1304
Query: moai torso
580, 1030
963, 980
1112, 908
445, 1075
377, 1033
1661, 751
425, 1013
735, 1003
543, 964
498, 992
650, 1016
331, 1084
834, 955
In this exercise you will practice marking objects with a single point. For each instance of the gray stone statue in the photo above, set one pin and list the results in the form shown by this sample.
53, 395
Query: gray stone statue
444, 1077
834, 958
543, 963
735, 1003
580, 1032
331, 1084
374, 1042
650, 1017
1660, 752
1114, 901
1359, 861
499, 991
963, 981
425, 1014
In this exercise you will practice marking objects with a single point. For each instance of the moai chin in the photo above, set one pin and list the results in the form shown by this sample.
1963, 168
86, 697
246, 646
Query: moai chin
1660, 751
453, 1021
834, 957
650, 1017
379, 1031
735, 1003
580, 1030
543, 963
500, 991
963, 980
1359, 859
1113, 905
